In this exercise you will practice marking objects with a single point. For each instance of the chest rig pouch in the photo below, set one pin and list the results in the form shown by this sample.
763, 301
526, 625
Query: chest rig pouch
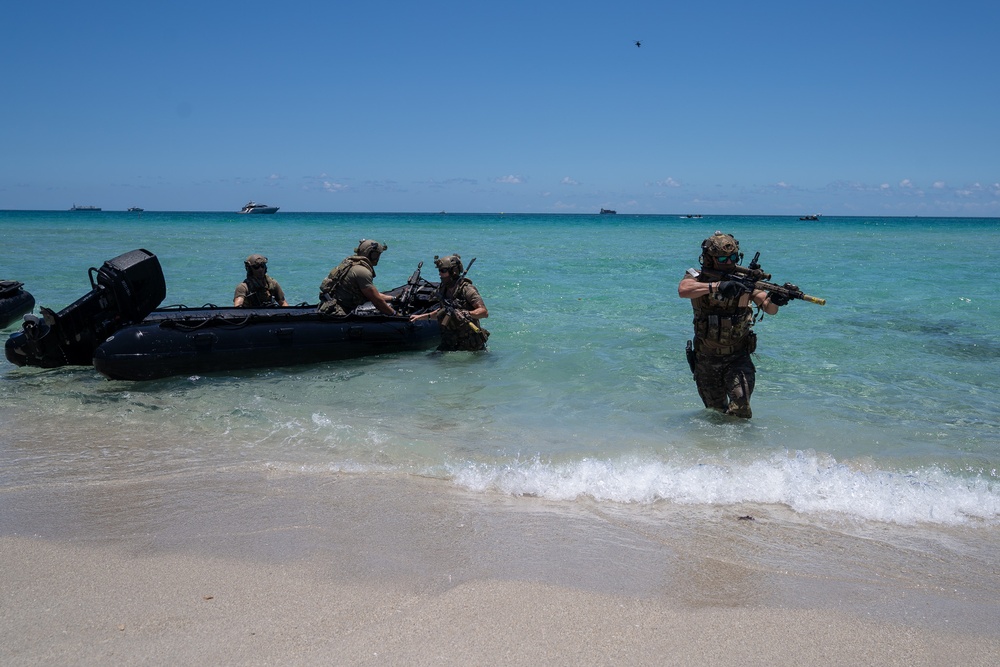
723, 326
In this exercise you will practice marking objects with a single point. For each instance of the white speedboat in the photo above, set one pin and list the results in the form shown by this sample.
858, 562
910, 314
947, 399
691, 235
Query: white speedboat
254, 207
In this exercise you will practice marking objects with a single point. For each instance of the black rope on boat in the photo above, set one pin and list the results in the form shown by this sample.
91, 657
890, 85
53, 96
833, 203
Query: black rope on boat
215, 319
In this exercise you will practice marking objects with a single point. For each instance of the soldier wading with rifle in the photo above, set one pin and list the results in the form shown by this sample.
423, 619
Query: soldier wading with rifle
722, 294
460, 307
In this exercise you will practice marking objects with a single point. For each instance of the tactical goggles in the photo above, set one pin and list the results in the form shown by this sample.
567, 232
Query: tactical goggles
262, 265
728, 259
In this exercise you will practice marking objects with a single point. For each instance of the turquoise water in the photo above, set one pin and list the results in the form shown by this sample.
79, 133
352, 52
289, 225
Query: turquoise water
879, 406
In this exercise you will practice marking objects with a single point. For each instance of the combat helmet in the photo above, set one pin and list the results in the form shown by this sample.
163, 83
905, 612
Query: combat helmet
253, 261
370, 249
450, 263
719, 245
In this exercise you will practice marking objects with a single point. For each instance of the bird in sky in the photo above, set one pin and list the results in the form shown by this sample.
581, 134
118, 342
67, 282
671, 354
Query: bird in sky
638, 44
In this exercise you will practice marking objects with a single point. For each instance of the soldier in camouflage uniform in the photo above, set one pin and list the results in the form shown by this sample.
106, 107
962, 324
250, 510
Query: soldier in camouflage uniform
460, 308
259, 290
350, 283
723, 334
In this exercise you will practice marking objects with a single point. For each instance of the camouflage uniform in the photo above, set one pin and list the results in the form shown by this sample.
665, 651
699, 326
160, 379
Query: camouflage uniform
456, 334
723, 343
341, 291
723, 337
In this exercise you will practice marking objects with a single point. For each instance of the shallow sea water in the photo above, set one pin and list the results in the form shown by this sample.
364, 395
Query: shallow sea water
877, 408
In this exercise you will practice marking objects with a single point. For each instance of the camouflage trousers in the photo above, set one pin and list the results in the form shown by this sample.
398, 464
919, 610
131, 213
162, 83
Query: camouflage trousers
463, 338
725, 382
331, 308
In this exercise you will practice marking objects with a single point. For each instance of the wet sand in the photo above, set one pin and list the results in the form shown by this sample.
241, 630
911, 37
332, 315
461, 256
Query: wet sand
231, 568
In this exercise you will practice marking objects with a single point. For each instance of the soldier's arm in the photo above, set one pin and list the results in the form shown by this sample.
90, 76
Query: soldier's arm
478, 310
240, 296
377, 298
762, 299
691, 288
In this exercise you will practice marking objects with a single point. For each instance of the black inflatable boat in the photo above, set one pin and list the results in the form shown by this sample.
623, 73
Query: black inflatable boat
14, 302
117, 328
201, 340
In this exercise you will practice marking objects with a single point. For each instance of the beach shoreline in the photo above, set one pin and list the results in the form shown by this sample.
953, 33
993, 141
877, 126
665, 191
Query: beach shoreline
231, 567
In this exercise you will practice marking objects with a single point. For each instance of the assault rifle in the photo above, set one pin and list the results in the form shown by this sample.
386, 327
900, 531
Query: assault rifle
449, 305
270, 302
753, 277
404, 299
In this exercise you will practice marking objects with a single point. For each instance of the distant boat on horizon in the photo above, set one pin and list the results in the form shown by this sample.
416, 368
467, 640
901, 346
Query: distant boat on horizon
810, 217
608, 211
254, 207
85, 208
135, 209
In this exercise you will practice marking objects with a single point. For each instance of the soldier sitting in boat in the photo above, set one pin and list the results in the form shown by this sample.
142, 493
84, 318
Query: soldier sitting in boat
350, 283
259, 290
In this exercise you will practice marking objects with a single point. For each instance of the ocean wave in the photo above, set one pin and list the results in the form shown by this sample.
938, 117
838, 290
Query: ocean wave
805, 482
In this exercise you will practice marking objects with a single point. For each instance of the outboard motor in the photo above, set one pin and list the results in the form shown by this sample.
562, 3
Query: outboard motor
124, 291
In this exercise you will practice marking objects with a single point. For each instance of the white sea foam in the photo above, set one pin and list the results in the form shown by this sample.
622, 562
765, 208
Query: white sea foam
806, 483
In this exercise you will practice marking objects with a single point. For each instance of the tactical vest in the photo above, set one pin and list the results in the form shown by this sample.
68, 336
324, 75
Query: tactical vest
460, 298
335, 288
260, 294
456, 335
723, 326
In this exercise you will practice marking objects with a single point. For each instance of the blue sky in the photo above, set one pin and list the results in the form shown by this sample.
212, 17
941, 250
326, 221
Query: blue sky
846, 108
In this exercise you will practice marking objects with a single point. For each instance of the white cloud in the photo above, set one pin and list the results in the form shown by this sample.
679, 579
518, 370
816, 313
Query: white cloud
938, 185
511, 179
906, 183
669, 182
330, 186
971, 190
568, 181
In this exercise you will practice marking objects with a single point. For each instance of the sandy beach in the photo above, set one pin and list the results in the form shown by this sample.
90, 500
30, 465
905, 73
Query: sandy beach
342, 569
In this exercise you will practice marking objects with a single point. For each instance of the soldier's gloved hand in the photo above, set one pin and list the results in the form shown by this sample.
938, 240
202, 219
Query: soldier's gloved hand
732, 289
777, 298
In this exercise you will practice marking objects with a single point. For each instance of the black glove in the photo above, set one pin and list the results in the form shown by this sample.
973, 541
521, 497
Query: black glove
777, 298
732, 289
782, 299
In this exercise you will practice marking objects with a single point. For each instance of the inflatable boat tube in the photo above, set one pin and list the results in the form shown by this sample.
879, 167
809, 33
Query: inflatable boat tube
205, 340
14, 302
